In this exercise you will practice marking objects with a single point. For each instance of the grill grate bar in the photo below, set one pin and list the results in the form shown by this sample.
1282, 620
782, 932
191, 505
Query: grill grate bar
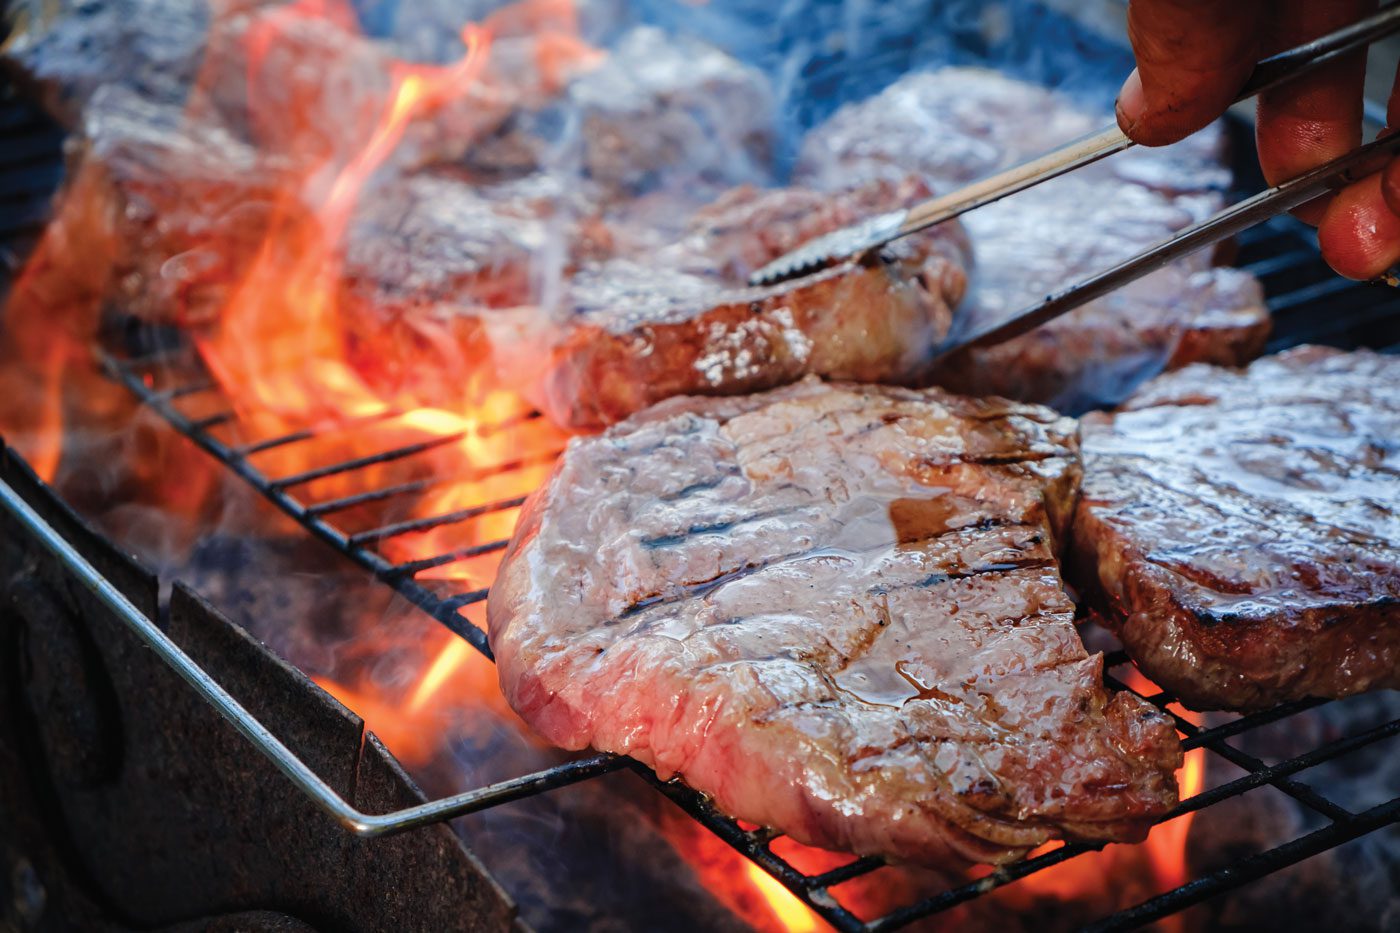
1250, 868
1272, 774
1299, 792
306, 434
462, 600
408, 526
847, 872
422, 485
359, 463
414, 567
1252, 721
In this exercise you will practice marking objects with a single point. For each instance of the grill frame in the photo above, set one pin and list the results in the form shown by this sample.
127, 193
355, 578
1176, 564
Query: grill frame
1302, 296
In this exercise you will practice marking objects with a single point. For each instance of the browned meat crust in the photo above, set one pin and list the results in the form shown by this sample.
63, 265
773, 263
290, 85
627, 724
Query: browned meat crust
1242, 528
837, 610
678, 321
1045, 238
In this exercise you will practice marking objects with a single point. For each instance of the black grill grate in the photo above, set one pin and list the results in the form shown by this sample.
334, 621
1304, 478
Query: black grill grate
1309, 304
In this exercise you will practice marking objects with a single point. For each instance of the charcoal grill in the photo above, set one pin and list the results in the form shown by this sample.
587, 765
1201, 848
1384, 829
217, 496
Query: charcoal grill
1308, 302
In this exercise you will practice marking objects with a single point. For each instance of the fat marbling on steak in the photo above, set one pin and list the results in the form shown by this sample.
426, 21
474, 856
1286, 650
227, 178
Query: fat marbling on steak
1243, 527
837, 610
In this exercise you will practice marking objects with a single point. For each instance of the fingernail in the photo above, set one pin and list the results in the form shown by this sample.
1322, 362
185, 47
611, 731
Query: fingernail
1132, 103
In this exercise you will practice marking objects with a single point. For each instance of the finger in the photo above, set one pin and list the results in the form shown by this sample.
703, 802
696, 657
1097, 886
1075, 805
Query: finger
1390, 185
1359, 234
1193, 56
1316, 117
1390, 178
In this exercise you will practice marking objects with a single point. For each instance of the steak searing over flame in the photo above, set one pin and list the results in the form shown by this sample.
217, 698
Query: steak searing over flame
837, 610
679, 321
1244, 527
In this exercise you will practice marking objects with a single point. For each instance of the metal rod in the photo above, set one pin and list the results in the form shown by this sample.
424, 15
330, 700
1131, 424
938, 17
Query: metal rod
1226, 223
306, 780
1250, 868
409, 568
359, 463
427, 523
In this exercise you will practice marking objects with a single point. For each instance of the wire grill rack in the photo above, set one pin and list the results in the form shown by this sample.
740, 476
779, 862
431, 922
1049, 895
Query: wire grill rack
159, 368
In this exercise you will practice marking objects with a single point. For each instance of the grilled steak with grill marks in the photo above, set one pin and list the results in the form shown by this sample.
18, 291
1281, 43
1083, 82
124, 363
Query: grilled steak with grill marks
837, 610
679, 320
1243, 528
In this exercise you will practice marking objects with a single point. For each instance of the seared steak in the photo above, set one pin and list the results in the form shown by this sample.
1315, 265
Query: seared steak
1243, 528
837, 610
960, 124
672, 112
679, 320
166, 215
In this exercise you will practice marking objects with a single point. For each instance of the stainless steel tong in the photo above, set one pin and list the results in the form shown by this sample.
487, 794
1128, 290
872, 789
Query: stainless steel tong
861, 239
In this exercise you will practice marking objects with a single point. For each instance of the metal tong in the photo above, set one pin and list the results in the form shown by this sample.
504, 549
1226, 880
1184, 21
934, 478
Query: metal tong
858, 240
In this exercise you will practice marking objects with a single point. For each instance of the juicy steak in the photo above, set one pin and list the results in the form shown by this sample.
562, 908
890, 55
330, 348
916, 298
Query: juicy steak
1243, 528
680, 321
959, 124
837, 610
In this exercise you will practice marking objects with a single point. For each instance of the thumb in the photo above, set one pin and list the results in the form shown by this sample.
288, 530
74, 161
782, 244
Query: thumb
1193, 56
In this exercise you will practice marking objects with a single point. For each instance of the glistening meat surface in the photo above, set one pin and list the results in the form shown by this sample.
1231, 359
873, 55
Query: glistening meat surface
1243, 528
679, 320
837, 610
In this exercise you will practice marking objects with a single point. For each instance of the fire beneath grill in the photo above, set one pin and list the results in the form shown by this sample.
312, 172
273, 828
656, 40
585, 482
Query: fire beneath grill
412, 454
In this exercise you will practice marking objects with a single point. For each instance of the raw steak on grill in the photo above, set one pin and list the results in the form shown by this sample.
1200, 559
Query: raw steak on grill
837, 610
679, 320
960, 124
1243, 528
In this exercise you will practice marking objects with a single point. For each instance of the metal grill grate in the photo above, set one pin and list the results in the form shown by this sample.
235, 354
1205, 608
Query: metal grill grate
1309, 303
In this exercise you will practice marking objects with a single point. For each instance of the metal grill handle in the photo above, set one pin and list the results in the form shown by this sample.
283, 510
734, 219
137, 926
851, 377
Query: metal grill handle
367, 825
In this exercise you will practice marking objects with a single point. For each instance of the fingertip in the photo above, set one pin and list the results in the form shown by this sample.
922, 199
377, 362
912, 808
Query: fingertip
1360, 234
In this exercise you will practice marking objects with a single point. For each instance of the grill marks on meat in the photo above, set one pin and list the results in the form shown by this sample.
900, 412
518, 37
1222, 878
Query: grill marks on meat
837, 610
1042, 239
1243, 528
679, 321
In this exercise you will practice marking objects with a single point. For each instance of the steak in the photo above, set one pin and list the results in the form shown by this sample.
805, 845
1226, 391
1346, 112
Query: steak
959, 124
672, 112
1242, 528
679, 320
69, 50
165, 215
837, 610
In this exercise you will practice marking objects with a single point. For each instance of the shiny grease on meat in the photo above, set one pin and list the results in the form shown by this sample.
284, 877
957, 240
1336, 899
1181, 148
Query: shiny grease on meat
837, 610
680, 320
1242, 529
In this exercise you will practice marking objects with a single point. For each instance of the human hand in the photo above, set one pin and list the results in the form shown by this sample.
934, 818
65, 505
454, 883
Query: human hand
1193, 58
